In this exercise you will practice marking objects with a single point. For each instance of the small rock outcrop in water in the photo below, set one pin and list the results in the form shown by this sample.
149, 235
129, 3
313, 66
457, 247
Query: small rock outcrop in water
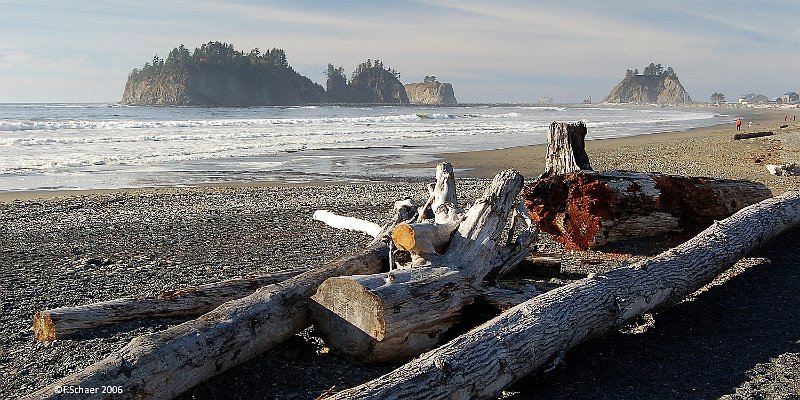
431, 92
217, 75
655, 85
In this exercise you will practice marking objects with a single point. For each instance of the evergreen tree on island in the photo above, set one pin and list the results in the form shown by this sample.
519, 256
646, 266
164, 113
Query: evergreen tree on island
371, 82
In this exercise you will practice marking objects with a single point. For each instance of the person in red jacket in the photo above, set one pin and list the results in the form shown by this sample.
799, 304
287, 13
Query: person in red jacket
739, 124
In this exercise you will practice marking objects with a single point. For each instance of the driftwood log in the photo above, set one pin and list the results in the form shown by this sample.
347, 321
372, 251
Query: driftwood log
164, 364
587, 209
789, 169
740, 136
396, 316
63, 322
481, 363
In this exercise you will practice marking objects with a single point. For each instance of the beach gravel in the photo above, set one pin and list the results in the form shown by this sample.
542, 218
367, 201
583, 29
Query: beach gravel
740, 338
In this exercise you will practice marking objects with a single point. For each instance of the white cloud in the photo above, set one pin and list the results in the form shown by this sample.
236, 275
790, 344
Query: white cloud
508, 48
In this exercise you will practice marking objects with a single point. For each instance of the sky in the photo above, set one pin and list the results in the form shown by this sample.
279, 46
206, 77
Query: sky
498, 51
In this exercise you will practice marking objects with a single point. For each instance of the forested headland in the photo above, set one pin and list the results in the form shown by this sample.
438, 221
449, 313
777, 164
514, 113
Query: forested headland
216, 74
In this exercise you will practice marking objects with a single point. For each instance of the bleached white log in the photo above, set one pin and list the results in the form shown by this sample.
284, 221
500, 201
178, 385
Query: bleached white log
484, 361
350, 223
389, 317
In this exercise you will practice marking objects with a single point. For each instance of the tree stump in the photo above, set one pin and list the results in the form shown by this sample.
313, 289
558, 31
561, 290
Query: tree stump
566, 149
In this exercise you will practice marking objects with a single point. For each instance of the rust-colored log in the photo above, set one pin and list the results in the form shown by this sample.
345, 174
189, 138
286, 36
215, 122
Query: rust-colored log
587, 209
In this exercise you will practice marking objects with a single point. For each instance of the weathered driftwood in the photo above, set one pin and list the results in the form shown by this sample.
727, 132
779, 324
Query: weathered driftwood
750, 135
442, 194
164, 364
486, 360
64, 322
566, 148
436, 222
546, 265
587, 209
390, 317
789, 169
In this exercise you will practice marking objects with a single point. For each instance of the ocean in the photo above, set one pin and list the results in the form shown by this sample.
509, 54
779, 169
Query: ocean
109, 146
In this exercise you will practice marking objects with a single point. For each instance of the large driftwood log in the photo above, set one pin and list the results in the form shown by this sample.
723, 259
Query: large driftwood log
587, 209
750, 135
395, 316
566, 149
63, 322
483, 362
164, 364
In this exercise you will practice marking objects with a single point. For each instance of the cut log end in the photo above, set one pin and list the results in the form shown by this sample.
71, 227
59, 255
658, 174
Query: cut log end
404, 237
43, 327
346, 299
389, 317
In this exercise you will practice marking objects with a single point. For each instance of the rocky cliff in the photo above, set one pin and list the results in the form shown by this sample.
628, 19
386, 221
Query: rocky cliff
431, 93
216, 87
654, 86
162, 90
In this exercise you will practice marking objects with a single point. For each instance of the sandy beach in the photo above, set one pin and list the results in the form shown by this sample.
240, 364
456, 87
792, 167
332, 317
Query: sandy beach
735, 340
708, 151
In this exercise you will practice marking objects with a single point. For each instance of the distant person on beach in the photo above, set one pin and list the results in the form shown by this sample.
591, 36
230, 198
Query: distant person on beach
785, 117
749, 124
739, 124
